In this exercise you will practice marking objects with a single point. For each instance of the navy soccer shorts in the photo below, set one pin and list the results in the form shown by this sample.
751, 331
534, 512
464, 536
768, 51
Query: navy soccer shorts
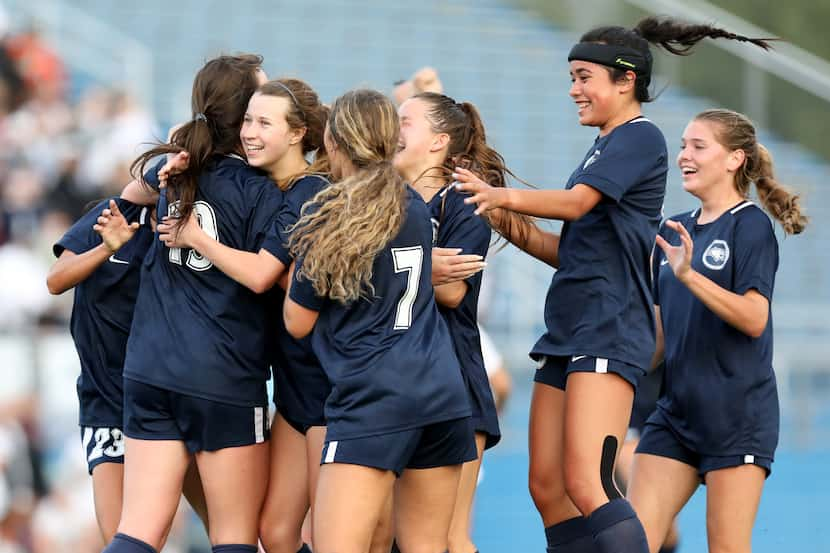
102, 444
152, 413
658, 439
554, 370
435, 445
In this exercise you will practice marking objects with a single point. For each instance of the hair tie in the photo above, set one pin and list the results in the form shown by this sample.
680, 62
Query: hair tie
293, 98
200, 117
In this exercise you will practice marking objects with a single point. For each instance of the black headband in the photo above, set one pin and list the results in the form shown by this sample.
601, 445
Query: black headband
611, 55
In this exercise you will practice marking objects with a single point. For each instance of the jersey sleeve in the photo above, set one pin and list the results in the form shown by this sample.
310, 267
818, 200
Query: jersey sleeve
277, 240
657, 257
302, 290
151, 175
756, 255
81, 237
266, 205
628, 157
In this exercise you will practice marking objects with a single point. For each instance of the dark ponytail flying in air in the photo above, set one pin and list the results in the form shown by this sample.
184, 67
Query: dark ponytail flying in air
633, 52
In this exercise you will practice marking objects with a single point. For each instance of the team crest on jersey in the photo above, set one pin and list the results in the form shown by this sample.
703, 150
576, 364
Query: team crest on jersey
591, 159
716, 255
435, 226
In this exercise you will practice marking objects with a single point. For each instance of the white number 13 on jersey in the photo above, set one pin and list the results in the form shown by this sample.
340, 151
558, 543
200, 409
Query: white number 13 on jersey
407, 260
206, 218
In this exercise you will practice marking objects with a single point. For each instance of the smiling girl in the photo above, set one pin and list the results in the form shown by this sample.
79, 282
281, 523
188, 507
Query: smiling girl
599, 313
362, 284
714, 274
438, 133
283, 124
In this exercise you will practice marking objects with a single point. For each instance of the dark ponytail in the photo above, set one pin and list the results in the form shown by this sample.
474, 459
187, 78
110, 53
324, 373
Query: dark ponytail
468, 148
221, 91
674, 36
679, 37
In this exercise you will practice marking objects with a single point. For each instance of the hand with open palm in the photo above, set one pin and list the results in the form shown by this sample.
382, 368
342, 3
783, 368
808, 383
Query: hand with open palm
679, 257
114, 229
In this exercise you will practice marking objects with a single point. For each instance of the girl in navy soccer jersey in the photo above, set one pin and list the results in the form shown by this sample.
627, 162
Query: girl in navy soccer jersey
104, 271
197, 363
714, 275
437, 134
363, 283
598, 313
283, 123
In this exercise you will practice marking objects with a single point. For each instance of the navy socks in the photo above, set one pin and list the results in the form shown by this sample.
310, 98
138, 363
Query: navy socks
122, 543
617, 529
234, 548
570, 536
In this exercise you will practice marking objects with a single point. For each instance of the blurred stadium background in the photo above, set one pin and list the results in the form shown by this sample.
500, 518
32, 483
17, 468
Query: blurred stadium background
100, 78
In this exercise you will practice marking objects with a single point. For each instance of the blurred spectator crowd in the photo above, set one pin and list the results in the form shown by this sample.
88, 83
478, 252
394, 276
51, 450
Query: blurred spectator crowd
63, 144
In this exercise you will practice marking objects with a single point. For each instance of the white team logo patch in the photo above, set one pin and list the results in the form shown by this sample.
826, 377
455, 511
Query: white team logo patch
716, 255
591, 159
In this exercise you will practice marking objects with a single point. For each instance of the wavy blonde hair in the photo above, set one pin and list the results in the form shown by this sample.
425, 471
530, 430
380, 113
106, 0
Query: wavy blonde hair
344, 227
734, 131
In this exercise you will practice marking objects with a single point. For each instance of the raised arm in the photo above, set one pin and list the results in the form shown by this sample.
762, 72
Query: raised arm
72, 268
525, 235
139, 194
564, 205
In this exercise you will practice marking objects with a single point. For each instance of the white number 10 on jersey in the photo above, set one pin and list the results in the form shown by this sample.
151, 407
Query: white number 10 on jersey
407, 260
206, 218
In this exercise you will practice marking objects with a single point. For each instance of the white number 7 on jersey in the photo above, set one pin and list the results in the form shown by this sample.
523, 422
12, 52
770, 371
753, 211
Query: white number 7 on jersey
409, 260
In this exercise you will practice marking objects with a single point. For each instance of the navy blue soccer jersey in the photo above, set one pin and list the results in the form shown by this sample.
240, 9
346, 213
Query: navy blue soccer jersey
599, 302
102, 312
459, 227
389, 358
300, 384
196, 331
295, 197
720, 392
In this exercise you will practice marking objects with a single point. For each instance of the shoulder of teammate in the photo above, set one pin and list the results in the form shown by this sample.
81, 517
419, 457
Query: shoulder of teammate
753, 221
632, 155
302, 290
303, 190
755, 249
417, 211
639, 134
461, 227
682, 218
308, 186
151, 171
